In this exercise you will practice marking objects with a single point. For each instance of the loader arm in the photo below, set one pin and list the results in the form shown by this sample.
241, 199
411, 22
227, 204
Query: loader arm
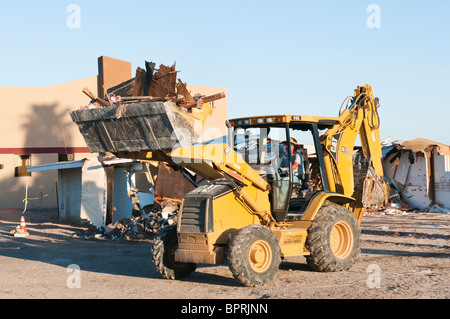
250, 188
360, 116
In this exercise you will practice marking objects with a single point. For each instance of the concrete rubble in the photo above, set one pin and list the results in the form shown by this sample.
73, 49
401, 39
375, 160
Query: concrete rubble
418, 172
143, 224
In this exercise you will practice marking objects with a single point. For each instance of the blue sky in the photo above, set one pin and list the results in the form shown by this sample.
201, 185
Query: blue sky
299, 57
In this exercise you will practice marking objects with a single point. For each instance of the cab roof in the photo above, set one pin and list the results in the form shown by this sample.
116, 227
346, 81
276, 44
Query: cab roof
295, 121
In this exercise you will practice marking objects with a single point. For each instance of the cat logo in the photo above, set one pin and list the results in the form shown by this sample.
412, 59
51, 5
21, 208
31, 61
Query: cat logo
335, 145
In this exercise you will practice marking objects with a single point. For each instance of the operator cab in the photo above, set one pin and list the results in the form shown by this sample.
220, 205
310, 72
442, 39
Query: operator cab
286, 151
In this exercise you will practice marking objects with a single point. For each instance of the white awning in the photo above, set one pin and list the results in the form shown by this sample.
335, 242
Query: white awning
75, 164
53, 166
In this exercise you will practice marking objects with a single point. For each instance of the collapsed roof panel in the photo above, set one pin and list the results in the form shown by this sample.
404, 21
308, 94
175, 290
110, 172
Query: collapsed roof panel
423, 145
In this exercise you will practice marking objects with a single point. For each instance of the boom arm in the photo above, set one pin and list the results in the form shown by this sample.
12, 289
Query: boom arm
361, 116
227, 163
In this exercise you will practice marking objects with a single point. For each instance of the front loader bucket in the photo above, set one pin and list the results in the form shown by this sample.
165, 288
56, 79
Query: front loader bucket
150, 126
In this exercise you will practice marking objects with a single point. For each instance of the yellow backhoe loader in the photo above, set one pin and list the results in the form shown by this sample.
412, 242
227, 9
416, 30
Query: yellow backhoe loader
260, 205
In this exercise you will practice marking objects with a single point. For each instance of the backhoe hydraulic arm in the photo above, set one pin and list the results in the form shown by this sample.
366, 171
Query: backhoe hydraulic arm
360, 115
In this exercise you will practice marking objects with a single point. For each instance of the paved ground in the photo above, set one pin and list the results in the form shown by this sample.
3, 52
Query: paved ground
404, 256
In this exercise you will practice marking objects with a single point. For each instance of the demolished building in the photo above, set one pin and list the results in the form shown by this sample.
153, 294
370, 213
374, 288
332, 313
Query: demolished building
418, 171
27, 142
144, 118
106, 189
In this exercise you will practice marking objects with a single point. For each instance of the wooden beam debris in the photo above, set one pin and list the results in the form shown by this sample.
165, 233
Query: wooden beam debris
149, 69
164, 82
201, 100
95, 99
152, 85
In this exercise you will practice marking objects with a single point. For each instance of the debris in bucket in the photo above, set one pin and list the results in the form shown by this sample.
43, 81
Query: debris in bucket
150, 85
152, 112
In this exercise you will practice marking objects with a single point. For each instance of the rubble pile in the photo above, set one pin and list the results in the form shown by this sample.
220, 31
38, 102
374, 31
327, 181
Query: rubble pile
399, 206
143, 223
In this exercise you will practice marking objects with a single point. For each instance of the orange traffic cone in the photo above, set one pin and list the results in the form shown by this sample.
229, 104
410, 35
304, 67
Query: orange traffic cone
22, 231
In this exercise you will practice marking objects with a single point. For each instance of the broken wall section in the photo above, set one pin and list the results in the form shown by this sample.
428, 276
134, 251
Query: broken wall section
418, 171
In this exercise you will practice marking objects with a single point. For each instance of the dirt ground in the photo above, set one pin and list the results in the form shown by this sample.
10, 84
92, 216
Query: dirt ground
403, 256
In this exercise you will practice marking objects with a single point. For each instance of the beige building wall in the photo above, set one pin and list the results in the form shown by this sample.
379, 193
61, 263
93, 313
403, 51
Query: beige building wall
35, 121
39, 116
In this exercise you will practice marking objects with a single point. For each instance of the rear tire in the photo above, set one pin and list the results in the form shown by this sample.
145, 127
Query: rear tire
163, 252
254, 255
333, 239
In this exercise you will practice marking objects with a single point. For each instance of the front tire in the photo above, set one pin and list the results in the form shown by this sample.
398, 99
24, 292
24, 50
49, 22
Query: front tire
163, 252
333, 239
254, 255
